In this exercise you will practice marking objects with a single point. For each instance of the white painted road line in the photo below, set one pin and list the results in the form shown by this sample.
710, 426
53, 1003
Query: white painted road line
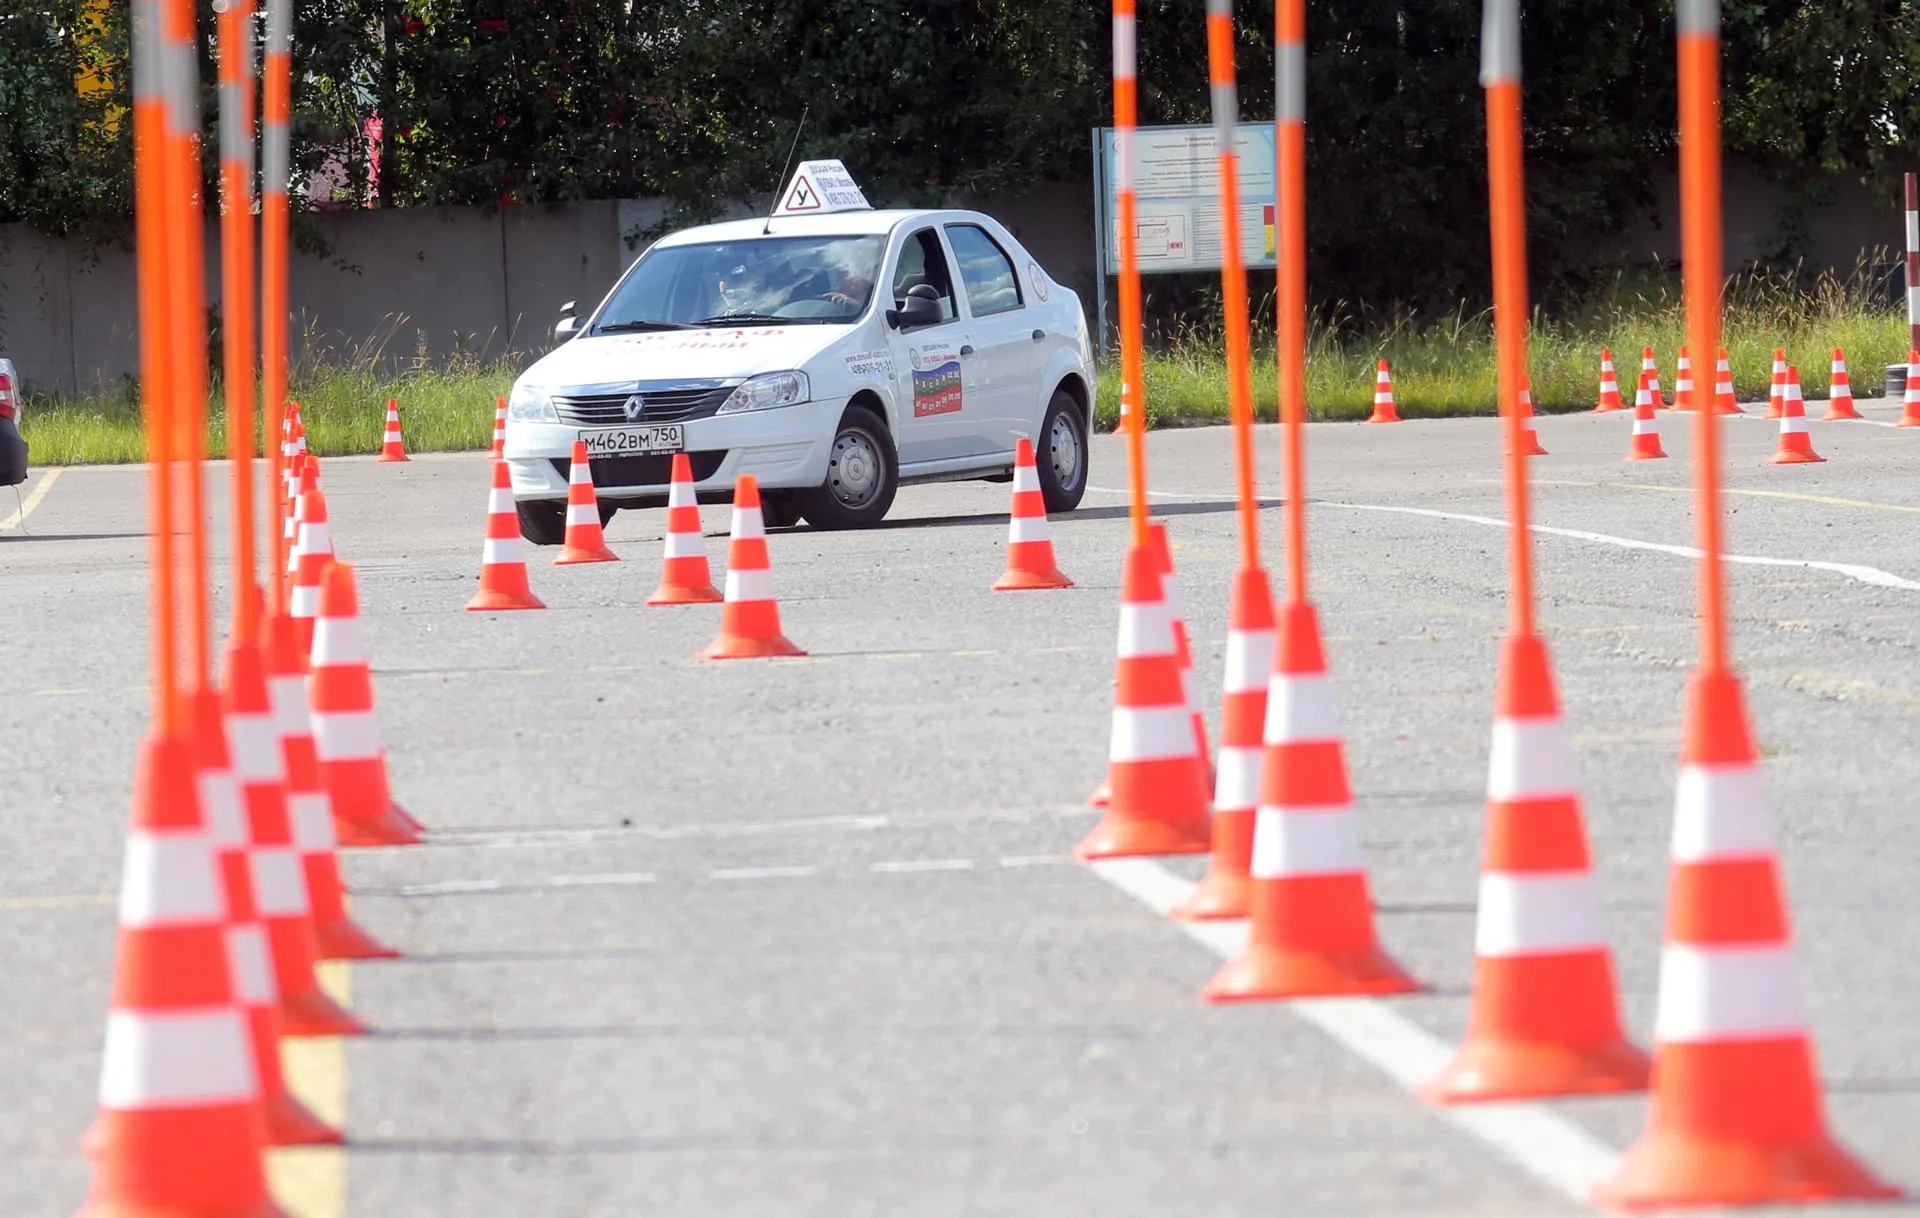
1866, 575
32, 500
613, 878
910, 866
443, 887
761, 873
1535, 1139
1035, 860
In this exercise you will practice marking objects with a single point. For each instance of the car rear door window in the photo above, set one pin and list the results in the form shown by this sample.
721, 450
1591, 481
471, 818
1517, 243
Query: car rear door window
992, 287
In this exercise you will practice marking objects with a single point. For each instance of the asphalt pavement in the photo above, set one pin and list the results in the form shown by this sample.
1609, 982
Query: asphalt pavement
803, 937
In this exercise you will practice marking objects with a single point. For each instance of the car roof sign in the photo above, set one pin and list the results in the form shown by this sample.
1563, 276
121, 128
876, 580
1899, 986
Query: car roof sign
819, 188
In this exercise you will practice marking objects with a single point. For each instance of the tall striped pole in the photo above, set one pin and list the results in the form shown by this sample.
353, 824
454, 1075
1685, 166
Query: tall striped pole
1233, 275
236, 288
187, 301
275, 251
1736, 1116
1133, 413
153, 220
1913, 261
1290, 166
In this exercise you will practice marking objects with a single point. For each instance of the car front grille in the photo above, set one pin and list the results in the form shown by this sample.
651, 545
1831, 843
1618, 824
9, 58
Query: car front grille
651, 469
671, 405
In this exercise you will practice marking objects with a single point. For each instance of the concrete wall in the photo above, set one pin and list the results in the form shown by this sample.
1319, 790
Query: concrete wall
440, 280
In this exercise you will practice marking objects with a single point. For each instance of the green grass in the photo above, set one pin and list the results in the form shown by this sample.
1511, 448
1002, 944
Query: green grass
344, 410
1447, 368
1441, 367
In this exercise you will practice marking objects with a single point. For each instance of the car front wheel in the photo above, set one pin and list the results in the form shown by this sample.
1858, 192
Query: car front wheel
543, 521
862, 475
1062, 454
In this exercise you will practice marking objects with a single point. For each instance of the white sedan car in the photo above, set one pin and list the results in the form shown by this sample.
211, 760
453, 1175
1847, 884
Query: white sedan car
833, 356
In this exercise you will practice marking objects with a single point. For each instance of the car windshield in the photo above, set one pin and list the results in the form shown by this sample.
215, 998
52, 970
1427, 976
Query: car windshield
762, 281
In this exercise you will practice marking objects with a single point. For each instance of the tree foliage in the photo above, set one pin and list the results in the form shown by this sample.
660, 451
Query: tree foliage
529, 101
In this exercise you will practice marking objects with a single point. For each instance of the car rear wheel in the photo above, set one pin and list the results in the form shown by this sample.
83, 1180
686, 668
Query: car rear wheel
862, 475
1062, 454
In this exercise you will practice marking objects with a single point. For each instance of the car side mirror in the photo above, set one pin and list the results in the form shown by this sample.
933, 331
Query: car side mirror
565, 328
920, 308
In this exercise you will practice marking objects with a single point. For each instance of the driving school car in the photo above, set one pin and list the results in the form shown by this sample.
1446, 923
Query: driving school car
834, 351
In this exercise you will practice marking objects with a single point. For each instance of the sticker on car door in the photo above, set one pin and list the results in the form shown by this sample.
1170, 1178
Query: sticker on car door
937, 384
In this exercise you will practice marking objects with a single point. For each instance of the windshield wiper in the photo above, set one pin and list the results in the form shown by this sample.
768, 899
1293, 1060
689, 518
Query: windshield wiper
641, 324
726, 319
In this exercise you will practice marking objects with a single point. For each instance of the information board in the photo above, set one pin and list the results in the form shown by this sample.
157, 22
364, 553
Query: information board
1177, 193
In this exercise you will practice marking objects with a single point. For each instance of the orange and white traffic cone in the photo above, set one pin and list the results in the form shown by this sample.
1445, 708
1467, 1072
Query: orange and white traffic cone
1609, 386
750, 618
1030, 561
1683, 381
1529, 437
250, 958
1651, 370
392, 447
1311, 918
499, 427
1546, 1008
1157, 801
1724, 401
1736, 1115
1182, 644
1777, 394
503, 572
1224, 892
279, 891
309, 807
346, 732
312, 551
1645, 445
1796, 444
1384, 410
179, 1128
1910, 405
585, 541
685, 578
1839, 392
303, 474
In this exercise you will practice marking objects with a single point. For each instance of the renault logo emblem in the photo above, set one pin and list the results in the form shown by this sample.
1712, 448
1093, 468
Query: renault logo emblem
635, 407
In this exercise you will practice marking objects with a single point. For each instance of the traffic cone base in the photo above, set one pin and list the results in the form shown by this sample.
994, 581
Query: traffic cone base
1015, 581
291, 1123
1224, 892
1265, 973
1494, 1064
1114, 838
738, 647
392, 827
678, 594
347, 941
1675, 1168
569, 555
315, 1014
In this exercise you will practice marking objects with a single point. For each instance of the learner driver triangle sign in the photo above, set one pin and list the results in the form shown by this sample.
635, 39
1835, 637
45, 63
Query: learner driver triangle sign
821, 187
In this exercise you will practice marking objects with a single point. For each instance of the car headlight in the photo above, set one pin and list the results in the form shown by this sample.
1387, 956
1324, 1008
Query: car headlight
530, 405
767, 391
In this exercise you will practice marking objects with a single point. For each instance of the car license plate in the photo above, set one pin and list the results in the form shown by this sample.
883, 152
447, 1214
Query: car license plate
635, 441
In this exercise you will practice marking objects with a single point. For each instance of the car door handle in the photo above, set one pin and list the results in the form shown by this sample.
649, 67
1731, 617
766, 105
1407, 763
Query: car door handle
1039, 336
966, 349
